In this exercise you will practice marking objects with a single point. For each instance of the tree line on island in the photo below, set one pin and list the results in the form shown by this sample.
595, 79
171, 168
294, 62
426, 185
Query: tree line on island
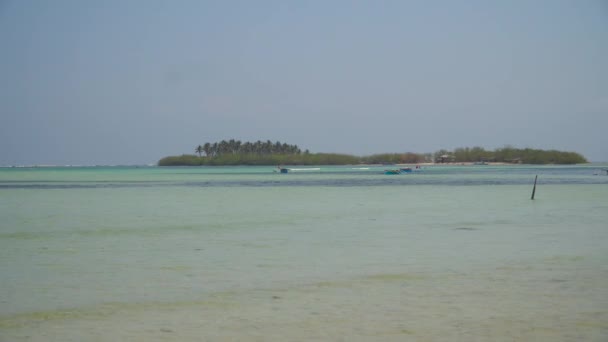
236, 152
238, 147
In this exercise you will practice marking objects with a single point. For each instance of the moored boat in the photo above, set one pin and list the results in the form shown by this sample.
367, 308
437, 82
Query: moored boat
281, 169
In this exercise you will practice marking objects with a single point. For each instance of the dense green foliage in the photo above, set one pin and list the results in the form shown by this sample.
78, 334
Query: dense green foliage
235, 152
258, 159
234, 147
394, 158
510, 154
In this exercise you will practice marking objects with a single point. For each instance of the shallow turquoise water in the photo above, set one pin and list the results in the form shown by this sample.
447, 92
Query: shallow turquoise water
75, 240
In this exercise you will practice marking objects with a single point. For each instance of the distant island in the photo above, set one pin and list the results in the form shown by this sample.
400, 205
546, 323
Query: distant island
235, 152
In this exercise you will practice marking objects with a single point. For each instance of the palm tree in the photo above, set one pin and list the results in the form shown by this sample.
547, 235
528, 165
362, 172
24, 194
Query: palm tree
207, 149
222, 147
245, 148
257, 147
233, 146
214, 149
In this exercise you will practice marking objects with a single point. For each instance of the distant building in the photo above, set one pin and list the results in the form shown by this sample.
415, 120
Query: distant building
514, 161
445, 158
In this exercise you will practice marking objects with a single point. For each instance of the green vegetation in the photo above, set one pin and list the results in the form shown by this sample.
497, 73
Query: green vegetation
199, 149
235, 152
396, 158
237, 147
510, 154
258, 159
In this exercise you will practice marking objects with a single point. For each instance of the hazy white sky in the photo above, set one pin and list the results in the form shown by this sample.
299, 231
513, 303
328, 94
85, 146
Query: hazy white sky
129, 82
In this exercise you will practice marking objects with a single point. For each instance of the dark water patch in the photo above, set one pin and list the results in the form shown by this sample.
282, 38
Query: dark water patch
309, 181
466, 228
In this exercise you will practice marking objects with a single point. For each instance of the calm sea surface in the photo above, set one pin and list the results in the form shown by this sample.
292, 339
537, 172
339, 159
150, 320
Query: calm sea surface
452, 253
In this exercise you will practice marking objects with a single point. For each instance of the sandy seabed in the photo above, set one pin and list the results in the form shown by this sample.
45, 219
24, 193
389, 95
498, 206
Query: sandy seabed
553, 301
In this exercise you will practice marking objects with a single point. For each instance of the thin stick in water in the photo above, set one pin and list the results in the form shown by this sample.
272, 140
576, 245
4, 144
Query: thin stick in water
534, 188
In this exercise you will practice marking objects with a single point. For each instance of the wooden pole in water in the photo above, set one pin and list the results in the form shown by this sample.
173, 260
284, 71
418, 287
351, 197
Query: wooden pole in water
534, 188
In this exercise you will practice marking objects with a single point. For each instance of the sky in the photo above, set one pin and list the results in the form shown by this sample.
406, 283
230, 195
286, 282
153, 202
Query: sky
129, 82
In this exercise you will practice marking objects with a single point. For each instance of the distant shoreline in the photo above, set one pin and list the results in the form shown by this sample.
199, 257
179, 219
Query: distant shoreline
354, 165
234, 152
